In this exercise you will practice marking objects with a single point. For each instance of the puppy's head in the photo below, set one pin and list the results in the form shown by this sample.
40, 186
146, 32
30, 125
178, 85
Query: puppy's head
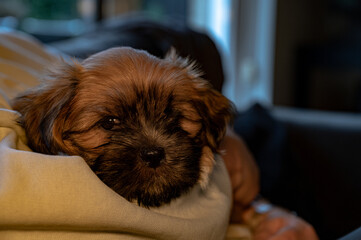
148, 127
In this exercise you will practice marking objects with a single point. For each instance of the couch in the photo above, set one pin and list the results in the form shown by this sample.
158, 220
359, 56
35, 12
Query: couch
309, 162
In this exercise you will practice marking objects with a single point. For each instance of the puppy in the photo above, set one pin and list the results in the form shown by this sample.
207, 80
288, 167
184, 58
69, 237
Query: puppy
148, 127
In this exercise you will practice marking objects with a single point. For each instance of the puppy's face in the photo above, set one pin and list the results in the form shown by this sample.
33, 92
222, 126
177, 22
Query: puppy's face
147, 127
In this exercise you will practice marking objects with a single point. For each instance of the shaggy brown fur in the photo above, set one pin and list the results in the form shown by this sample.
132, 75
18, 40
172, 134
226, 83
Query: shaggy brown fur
148, 127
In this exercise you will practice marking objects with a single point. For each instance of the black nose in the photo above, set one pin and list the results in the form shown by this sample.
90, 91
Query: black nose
152, 156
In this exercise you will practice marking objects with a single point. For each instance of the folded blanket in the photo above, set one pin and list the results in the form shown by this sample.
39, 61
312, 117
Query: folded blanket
59, 197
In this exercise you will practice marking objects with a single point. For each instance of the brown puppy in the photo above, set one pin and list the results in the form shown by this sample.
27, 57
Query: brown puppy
148, 127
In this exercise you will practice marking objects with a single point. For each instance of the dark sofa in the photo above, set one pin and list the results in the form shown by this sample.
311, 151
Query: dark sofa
310, 161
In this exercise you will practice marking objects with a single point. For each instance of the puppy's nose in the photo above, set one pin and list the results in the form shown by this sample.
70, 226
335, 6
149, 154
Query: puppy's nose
152, 156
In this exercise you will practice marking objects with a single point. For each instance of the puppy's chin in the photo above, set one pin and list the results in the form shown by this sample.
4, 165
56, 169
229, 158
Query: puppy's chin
149, 170
149, 186
148, 127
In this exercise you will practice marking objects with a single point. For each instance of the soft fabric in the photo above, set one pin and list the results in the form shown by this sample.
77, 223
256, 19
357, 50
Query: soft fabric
59, 197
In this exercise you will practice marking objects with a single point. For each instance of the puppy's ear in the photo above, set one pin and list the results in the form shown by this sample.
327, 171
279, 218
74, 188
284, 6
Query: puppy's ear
43, 109
216, 112
213, 112
215, 109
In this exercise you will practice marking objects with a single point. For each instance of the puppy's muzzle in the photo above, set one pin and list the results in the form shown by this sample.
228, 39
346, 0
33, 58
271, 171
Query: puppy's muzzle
152, 156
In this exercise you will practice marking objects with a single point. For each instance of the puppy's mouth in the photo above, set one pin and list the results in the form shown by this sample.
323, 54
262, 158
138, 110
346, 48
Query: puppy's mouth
150, 175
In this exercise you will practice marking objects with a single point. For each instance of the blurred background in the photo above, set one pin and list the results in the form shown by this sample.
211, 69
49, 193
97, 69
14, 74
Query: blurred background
304, 54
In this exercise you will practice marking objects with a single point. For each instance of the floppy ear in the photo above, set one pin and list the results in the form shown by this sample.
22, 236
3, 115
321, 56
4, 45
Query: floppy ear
213, 113
216, 112
215, 109
41, 107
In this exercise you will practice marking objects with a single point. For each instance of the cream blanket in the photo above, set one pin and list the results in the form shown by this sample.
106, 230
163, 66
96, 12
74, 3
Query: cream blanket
59, 197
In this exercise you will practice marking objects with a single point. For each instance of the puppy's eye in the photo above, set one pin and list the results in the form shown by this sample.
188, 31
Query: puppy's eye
109, 123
